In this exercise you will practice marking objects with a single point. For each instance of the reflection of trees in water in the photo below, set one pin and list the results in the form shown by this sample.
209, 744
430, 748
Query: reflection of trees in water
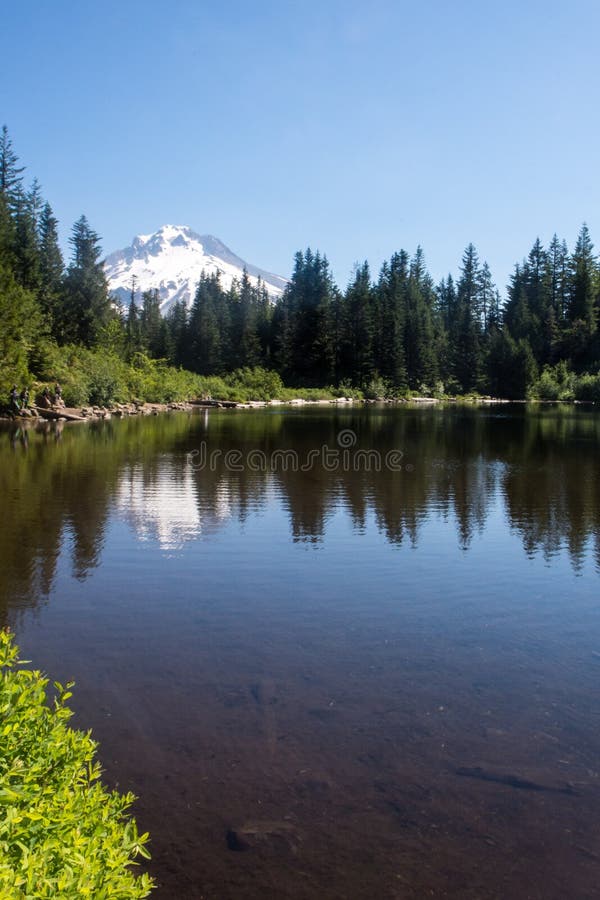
59, 488
57, 494
442, 468
46, 497
541, 462
552, 486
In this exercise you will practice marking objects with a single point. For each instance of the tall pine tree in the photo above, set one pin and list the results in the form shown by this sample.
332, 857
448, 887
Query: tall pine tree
87, 307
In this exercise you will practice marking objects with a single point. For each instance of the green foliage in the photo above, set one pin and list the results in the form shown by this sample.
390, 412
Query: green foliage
559, 382
101, 377
390, 335
150, 325
438, 391
256, 384
62, 834
207, 340
358, 328
384, 337
376, 388
86, 308
305, 324
347, 389
86, 376
247, 384
11, 174
310, 394
51, 267
511, 366
155, 381
18, 321
584, 282
587, 387
546, 387
555, 383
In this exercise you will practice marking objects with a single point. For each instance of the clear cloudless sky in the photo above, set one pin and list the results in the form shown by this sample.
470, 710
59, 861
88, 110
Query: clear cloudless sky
354, 127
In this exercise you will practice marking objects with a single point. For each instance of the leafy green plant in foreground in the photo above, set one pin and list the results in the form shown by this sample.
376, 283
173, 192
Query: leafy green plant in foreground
62, 833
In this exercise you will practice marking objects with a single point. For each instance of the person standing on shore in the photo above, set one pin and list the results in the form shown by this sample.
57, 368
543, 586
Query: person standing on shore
15, 406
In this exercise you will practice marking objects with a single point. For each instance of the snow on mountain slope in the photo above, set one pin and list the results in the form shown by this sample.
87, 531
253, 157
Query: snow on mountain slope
171, 261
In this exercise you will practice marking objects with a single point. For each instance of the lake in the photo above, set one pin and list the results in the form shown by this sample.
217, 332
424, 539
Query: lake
336, 652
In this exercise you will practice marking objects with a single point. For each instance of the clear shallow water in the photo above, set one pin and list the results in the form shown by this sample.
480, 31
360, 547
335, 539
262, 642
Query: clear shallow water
328, 683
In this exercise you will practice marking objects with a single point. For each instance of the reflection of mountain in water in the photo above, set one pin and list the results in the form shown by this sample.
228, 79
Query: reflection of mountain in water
163, 509
538, 471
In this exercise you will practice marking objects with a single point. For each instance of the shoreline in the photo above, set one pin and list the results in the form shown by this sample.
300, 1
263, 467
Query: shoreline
37, 415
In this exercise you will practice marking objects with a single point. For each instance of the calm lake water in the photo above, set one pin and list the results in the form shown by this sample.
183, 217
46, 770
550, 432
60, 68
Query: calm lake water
328, 682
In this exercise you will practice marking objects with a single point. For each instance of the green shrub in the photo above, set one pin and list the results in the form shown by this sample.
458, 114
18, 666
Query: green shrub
19, 325
62, 834
101, 377
376, 388
587, 387
555, 383
546, 387
347, 389
155, 381
255, 384
310, 394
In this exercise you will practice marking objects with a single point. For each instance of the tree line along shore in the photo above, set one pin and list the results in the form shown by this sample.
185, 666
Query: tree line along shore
394, 335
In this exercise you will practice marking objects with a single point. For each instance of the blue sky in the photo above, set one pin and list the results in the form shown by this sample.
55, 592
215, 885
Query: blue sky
356, 128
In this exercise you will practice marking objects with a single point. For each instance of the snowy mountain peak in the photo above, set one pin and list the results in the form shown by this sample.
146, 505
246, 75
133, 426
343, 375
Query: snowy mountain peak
171, 261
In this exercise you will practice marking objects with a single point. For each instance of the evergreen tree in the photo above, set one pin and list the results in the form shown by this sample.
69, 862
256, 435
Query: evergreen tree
223, 312
487, 297
465, 332
11, 174
282, 335
469, 283
247, 341
516, 312
557, 257
7, 236
19, 323
512, 366
133, 332
150, 325
391, 302
112, 335
204, 339
445, 305
35, 202
27, 262
51, 267
537, 263
305, 323
264, 322
87, 307
420, 343
177, 321
583, 282
446, 293
357, 362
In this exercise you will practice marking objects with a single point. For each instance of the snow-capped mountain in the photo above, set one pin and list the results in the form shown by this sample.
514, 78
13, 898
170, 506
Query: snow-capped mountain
171, 261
